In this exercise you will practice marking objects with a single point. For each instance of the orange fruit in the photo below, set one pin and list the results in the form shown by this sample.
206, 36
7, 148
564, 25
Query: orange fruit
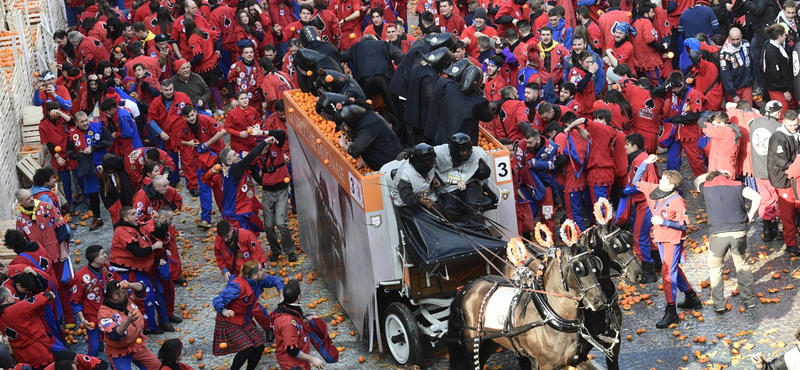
326, 162
670, 55
352, 332
319, 141
309, 73
291, 110
352, 35
35, 74
361, 359
776, 275
217, 167
57, 149
78, 260
118, 49
287, 180
191, 340
78, 241
223, 345
292, 29
328, 78
138, 340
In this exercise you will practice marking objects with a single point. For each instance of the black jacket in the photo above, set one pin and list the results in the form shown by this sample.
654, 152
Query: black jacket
782, 152
374, 141
373, 58
760, 13
399, 84
422, 81
777, 69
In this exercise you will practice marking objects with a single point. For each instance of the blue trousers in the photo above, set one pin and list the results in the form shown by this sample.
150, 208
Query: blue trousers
72, 16
57, 347
206, 196
155, 302
53, 325
671, 273
641, 215
94, 341
692, 152
573, 205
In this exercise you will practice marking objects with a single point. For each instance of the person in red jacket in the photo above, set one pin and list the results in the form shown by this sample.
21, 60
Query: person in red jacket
29, 253
643, 245
669, 232
645, 108
293, 348
511, 119
151, 197
53, 134
167, 265
494, 80
349, 14
448, 21
581, 75
28, 336
648, 45
132, 257
178, 33
88, 289
68, 360
237, 305
273, 84
146, 87
548, 57
245, 75
566, 97
572, 175
707, 80
621, 52
234, 246
223, 20
90, 51
203, 57
122, 324
683, 108
613, 15
171, 353
135, 163
377, 26
165, 115
600, 161
201, 140
239, 121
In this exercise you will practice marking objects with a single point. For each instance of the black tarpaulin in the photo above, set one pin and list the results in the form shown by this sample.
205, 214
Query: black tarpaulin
431, 240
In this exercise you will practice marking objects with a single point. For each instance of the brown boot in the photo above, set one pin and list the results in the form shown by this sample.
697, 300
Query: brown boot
97, 222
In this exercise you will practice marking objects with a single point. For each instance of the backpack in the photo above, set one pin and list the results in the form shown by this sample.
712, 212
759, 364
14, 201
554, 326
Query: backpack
317, 331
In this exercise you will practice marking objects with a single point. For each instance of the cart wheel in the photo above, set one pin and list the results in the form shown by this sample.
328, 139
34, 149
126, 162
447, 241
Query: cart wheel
402, 334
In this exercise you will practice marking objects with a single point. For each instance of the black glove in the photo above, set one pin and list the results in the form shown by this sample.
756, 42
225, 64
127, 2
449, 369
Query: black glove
622, 193
49, 296
270, 334
560, 160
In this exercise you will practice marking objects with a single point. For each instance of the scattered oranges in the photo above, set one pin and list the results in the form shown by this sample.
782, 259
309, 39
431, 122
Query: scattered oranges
223, 345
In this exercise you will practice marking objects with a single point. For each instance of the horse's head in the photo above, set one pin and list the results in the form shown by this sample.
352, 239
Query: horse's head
615, 247
579, 269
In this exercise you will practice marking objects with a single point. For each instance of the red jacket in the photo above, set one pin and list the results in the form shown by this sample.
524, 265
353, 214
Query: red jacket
247, 79
288, 67
370, 30
573, 173
508, 7
39, 260
724, 147
203, 45
650, 175
61, 91
469, 32
150, 64
600, 163
745, 164
179, 33
492, 86
223, 21
27, 333
207, 127
671, 208
555, 70
137, 159
110, 319
125, 235
606, 23
584, 98
289, 333
249, 249
88, 289
100, 32
344, 9
55, 133
693, 102
707, 82
41, 227
509, 116
147, 207
83, 362
91, 49
624, 53
646, 57
239, 120
168, 119
273, 84
645, 115
455, 24
281, 14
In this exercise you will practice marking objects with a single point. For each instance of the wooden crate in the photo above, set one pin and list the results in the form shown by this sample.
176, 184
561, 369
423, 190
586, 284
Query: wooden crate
31, 116
32, 10
26, 167
6, 255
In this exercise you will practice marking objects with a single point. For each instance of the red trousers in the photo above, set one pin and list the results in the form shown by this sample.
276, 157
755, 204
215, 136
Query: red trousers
778, 95
745, 93
189, 166
788, 213
768, 209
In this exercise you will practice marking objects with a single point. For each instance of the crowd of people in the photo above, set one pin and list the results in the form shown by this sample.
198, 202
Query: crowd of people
149, 93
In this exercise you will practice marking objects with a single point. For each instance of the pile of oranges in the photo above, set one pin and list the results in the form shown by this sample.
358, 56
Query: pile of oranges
307, 103
486, 142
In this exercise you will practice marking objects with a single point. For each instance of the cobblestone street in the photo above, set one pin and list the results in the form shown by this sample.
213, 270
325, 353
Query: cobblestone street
702, 340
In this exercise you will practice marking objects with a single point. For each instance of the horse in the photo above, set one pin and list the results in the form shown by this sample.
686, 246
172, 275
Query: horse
613, 247
543, 324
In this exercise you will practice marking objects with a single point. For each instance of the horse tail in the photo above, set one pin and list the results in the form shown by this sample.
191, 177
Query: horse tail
459, 355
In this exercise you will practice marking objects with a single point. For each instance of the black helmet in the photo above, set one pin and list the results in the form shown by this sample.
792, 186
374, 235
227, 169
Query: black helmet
520, 2
439, 59
307, 60
349, 117
329, 104
457, 69
331, 81
471, 80
460, 148
441, 40
422, 158
309, 34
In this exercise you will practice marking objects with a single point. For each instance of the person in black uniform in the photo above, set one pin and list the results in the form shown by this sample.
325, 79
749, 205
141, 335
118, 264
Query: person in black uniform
373, 68
339, 83
424, 78
458, 109
461, 172
367, 135
310, 39
307, 60
399, 84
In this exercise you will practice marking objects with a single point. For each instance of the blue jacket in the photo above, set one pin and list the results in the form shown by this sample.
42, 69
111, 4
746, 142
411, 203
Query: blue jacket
698, 19
232, 291
599, 77
736, 67
563, 34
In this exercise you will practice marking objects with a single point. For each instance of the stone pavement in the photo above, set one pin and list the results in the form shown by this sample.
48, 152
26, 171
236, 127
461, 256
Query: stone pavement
769, 328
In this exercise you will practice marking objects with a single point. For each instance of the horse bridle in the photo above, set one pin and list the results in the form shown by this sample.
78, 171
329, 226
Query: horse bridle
580, 269
623, 265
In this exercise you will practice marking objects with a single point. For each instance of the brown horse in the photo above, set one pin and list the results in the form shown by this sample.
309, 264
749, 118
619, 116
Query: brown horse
543, 328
